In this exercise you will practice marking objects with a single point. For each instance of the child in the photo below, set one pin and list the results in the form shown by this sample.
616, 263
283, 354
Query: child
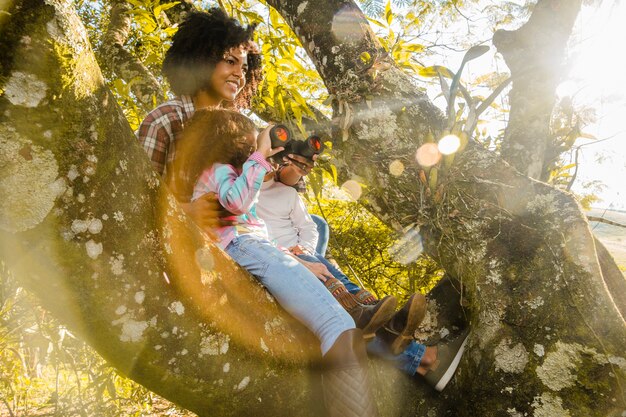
222, 154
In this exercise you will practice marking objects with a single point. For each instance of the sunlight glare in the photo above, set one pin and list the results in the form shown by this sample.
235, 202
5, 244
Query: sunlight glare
205, 259
428, 155
396, 168
409, 247
353, 189
346, 25
449, 144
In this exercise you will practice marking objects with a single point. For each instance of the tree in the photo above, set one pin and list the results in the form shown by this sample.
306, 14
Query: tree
85, 218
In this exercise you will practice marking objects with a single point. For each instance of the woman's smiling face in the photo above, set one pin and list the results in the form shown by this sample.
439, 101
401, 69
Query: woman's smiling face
229, 75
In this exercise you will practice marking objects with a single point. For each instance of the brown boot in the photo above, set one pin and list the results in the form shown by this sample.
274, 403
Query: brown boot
400, 330
366, 297
345, 379
369, 318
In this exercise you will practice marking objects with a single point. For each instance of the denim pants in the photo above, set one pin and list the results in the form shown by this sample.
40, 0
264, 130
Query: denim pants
323, 232
409, 359
295, 288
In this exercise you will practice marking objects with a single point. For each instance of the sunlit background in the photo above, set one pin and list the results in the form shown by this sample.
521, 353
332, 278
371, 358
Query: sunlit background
596, 60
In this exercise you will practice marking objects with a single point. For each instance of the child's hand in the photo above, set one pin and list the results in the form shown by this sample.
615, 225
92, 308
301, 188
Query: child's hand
264, 143
298, 250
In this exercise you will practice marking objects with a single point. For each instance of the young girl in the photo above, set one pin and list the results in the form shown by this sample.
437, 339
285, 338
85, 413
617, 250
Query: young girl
224, 155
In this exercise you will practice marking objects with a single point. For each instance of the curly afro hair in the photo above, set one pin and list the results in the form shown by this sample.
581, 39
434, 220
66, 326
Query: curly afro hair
210, 136
200, 43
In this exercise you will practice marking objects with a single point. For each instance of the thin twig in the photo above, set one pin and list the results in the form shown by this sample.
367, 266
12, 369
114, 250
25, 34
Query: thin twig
603, 220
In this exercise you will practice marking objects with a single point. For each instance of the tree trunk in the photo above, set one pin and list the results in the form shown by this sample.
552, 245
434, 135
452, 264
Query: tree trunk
168, 308
547, 338
535, 54
87, 226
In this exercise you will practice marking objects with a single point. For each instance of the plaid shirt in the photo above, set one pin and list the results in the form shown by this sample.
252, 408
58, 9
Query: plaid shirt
162, 127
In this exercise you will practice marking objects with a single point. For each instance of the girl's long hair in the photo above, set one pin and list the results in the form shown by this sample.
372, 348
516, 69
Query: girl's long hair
210, 136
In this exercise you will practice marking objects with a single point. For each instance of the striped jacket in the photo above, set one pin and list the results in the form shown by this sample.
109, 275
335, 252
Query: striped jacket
238, 192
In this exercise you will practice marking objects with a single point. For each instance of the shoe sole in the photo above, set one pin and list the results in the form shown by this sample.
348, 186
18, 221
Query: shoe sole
382, 316
417, 311
447, 376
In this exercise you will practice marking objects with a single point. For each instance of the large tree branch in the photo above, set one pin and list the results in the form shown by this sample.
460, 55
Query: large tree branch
177, 13
87, 225
535, 54
126, 66
522, 249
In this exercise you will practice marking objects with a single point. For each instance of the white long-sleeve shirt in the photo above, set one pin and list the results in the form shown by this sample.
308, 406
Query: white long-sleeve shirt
285, 216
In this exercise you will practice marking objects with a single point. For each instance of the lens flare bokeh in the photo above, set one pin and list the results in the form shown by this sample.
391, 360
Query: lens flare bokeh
353, 189
409, 247
449, 144
347, 23
396, 168
428, 155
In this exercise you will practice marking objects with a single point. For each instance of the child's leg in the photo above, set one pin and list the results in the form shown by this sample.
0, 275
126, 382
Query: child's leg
295, 288
323, 232
407, 361
338, 273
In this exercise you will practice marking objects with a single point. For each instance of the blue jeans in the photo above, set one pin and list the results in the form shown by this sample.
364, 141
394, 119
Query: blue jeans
324, 234
295, 288
337, 273
408, 361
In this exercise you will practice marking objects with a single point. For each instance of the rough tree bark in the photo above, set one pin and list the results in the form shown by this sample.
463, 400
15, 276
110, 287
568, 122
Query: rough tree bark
171, 311
88, 227
523, 250
535, 54
126, 66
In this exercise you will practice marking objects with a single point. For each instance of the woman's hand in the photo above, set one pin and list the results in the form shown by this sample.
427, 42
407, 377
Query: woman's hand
207, 213
264, 143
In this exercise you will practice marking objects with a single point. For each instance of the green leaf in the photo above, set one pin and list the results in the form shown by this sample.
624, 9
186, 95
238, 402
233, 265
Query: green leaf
136, 3
168, 6
587, 136
388, 12
376, 22
413, 47
434, 71
475, 51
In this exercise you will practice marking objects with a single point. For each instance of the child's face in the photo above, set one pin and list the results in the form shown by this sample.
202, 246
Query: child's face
229, 75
